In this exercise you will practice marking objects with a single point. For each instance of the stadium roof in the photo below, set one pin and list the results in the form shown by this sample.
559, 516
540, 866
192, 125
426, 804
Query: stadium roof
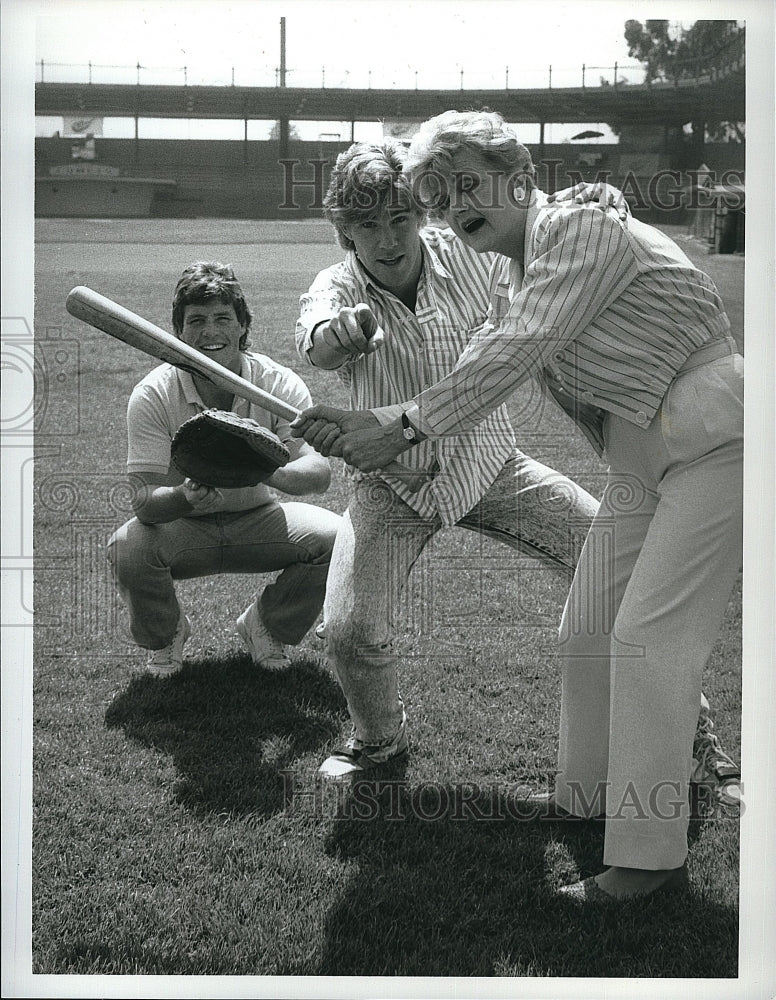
664, 103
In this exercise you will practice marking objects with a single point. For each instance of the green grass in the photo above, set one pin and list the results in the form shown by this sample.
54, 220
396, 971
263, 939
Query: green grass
164, 841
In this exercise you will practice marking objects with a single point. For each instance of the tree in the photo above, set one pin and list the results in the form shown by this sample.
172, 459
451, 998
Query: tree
707, 49
650, 43
274, 132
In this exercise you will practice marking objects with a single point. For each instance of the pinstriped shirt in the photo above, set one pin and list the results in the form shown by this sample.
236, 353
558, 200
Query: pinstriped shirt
421, 348
603, 311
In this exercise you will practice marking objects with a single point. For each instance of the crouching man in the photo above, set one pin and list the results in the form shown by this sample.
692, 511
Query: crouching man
182, 529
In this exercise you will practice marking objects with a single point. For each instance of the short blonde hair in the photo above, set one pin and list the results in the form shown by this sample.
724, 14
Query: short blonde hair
429, 160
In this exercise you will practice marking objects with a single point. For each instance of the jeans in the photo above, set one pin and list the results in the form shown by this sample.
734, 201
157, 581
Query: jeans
644, 610
529, 507
295, 538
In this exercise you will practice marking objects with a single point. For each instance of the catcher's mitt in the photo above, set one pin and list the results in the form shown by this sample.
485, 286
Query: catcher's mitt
220, 448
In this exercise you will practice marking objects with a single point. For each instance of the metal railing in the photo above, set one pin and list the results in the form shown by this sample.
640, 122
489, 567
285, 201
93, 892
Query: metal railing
457, 78
711, 66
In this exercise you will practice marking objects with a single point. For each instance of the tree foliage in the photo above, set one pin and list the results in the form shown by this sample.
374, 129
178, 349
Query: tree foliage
274, 132
705, 48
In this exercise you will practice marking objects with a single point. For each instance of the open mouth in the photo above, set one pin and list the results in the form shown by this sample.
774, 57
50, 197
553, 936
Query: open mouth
212, 347
472, 225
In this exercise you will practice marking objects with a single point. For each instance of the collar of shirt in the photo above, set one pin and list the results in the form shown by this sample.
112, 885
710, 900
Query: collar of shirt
431, 265
538, 203
192, 396
507, 273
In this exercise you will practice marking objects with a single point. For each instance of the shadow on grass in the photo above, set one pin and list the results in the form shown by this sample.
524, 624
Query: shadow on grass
230, 727
470, 892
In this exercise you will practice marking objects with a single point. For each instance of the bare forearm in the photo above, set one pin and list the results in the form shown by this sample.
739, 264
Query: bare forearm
306, 475
161, 504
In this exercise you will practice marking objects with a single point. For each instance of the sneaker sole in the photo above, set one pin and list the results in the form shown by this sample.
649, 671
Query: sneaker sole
174, 667
163, 671
341, 766
268, 662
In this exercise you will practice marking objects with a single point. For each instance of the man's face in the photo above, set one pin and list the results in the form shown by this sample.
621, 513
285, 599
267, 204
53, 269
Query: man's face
389, 246
212, 328
484, 210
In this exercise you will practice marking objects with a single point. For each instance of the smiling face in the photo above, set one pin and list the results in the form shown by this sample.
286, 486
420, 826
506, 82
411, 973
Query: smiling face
212, 328
484, 210
388, 246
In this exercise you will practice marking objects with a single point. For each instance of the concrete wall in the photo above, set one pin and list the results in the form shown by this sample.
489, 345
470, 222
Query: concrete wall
219, 179
236, 179
98, 197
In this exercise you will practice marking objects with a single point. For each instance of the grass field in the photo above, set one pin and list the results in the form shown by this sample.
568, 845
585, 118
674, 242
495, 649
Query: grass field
175, 827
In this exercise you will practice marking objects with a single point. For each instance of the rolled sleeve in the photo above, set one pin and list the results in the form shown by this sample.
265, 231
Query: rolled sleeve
325, 297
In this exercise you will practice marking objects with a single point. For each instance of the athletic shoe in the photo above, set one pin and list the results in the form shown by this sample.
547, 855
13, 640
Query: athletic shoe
713, 768
168, 661
265, 649
357, 757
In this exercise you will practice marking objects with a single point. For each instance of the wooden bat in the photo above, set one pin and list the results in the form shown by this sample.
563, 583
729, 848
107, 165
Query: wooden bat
106, 315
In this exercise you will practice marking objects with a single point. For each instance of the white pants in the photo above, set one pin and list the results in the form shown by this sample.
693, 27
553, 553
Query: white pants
530, 507
645, 607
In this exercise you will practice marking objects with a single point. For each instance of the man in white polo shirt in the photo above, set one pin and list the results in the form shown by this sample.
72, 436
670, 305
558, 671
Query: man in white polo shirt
182, 529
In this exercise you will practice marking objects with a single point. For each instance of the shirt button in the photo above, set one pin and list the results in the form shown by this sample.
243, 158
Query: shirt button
587, 394
641, 417
559, 356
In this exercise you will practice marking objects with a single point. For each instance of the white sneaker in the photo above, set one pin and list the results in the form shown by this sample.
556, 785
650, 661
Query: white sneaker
355, 756
168, 661
265, 649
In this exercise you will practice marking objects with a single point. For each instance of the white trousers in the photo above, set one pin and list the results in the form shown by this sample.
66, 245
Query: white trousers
645, 607
529, 507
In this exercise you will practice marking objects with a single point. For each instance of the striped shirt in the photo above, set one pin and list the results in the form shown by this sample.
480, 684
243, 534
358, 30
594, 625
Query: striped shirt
421, 348
603, 311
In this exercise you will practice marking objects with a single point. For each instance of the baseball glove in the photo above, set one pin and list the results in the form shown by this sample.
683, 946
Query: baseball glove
220, 448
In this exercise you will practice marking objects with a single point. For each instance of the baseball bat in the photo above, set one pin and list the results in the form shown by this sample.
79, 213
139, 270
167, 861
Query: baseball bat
106, 315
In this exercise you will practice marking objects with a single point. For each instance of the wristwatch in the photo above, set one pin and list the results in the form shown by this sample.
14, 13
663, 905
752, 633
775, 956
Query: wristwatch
409, 432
